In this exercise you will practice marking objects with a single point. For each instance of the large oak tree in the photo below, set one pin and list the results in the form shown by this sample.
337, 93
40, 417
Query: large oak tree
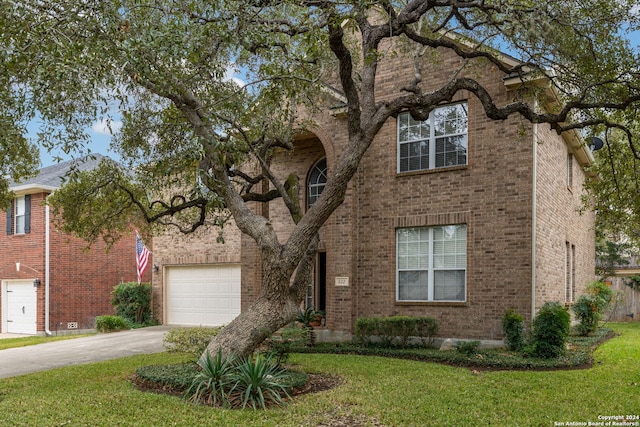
162, 67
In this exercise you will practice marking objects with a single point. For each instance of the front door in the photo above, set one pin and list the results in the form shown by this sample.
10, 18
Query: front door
317, 291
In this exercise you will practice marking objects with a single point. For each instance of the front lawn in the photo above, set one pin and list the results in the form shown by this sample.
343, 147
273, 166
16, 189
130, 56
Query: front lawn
376, 391
33, 340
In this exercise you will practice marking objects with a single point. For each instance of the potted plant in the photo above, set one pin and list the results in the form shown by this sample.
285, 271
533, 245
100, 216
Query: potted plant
310, 317
317, 318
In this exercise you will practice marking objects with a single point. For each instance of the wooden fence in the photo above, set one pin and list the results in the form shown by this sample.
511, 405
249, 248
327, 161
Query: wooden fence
627, 307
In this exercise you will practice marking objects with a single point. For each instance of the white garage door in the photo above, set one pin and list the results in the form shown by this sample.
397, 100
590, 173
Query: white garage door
202, 295
20, 298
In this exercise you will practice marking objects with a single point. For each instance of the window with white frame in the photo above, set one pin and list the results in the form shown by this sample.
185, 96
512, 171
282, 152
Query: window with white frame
431, 263
438, 142
20, 215
317, 181
569, 170
570, 272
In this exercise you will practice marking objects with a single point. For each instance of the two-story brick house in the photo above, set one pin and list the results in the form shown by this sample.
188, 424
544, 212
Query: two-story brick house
49, 283
458, 217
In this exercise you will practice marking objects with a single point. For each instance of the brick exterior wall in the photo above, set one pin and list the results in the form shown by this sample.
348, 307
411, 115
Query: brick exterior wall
171, 248
493, 195
559, 222
80, 281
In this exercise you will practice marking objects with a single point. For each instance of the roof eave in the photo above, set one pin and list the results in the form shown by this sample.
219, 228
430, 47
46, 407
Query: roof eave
21, 190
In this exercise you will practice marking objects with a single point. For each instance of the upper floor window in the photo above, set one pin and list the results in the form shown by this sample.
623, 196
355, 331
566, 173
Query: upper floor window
437, 142
316, 182
19, 216
569, 170
431, 263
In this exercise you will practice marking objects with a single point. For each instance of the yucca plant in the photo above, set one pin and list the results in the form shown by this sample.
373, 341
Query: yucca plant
211, 384
259, 382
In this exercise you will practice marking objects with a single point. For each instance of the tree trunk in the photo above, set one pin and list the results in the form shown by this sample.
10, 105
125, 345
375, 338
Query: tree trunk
285, 276
253, 326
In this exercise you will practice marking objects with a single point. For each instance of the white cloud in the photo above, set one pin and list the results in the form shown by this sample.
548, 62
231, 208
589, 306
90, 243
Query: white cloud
232, 75
106, 126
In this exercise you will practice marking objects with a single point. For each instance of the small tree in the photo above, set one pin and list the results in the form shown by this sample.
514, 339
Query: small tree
590, 308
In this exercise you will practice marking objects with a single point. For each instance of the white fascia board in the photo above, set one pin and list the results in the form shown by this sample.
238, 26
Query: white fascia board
21, 190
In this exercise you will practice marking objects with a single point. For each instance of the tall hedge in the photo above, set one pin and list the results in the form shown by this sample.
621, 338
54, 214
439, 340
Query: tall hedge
132, 301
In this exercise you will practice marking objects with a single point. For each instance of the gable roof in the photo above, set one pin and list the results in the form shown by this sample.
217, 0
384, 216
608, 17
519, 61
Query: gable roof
51, 177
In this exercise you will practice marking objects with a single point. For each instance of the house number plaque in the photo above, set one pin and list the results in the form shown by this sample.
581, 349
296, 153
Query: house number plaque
342, 281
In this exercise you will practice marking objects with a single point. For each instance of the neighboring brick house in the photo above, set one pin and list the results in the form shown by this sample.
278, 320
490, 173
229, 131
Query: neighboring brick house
488, 223
50, 284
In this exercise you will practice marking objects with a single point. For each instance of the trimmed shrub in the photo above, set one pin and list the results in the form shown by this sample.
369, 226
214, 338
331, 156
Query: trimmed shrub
468, 347
132, 301
426, 329
549, 331
395, 330
366, 328
193, 341
110, 323
513, 329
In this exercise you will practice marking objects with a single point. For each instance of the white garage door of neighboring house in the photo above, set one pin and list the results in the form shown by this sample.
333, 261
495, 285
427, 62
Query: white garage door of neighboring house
202, 295
19, 307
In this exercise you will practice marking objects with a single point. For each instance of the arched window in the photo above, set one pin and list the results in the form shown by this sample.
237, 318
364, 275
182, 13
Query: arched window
316, 182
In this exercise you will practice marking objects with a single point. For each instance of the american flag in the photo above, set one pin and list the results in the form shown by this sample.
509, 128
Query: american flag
142, 257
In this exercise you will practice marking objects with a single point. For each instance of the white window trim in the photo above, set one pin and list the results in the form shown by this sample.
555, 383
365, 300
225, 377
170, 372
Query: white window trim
432, 139
19, 213
569, 170
430, 270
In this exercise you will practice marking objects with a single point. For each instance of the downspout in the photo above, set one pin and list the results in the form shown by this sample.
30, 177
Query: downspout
46, 271
534, 213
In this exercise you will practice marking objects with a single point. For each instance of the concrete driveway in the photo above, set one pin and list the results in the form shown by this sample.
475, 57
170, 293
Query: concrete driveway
77, 351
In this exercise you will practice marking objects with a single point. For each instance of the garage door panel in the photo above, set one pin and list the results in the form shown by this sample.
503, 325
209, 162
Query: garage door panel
203, 295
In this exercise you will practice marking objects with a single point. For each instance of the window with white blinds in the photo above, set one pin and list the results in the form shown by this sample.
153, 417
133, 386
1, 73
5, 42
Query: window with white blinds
431, 263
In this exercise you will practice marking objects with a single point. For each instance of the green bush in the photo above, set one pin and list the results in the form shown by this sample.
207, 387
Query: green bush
110, 323
132, 301
395, 330
549, 331
193, 341
366, 328
426, 329
589, 309
279, 345
513, 329
468, 348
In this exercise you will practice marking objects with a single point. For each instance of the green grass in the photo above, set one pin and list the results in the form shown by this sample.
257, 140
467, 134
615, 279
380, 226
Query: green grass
33, 340
376, 391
